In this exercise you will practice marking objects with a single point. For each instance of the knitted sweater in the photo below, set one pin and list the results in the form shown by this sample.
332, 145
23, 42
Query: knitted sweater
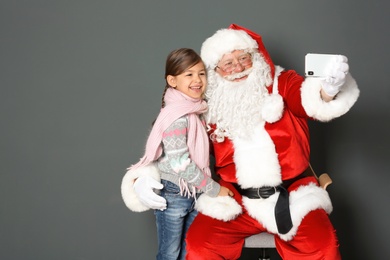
176, 166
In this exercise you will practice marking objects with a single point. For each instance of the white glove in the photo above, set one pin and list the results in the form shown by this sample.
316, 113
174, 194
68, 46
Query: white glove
143, 187
335, 72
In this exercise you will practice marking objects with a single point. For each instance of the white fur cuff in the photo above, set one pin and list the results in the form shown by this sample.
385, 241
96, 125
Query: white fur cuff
325, 111
223, 208
128, 194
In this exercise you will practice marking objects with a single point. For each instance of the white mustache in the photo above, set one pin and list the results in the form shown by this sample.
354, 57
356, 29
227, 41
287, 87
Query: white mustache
238, 75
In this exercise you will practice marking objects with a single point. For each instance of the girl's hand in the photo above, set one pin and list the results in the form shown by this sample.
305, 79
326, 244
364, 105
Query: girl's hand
225, 192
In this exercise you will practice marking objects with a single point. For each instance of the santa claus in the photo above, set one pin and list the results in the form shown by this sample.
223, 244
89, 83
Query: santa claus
257, 120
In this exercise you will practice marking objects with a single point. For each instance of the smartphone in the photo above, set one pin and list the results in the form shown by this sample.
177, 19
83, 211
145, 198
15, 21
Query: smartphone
315, 64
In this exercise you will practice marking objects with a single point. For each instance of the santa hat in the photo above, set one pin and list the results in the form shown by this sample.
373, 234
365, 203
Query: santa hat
236, 37
227, 40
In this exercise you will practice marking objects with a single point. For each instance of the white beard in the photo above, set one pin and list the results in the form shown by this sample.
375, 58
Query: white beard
235, 107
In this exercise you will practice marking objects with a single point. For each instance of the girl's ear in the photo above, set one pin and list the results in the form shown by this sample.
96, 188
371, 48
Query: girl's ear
171, 80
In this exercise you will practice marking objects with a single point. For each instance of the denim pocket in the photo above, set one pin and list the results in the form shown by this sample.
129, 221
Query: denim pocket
170, 188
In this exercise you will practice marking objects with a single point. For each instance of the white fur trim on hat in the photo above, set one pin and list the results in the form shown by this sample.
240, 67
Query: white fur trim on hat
223, 208
128, 194
222, 42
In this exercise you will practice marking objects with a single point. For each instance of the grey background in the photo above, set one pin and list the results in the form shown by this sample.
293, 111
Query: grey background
81, 82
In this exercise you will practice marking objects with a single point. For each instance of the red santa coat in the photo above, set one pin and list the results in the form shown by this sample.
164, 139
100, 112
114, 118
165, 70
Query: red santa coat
278, 151
290, 136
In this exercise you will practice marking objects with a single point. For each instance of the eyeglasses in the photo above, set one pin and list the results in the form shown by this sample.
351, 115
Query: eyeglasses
228, 66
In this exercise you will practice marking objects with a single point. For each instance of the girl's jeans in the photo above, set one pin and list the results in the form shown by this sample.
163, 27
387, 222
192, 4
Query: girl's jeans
173, 222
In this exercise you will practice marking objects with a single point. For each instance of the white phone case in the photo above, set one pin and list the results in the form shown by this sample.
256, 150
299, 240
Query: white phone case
315, 64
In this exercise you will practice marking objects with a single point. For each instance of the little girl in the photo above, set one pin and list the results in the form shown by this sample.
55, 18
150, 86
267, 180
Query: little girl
178, 148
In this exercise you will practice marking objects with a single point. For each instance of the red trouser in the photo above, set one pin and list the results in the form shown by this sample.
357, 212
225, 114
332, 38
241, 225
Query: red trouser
211, 239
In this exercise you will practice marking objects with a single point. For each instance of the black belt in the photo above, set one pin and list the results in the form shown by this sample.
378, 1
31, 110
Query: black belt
257, 193
282, 208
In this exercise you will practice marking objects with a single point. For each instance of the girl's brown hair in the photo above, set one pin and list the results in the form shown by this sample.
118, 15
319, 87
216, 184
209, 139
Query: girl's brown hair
177, 62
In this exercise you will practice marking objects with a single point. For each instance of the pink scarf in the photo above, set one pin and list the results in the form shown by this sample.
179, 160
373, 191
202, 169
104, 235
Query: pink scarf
177, 105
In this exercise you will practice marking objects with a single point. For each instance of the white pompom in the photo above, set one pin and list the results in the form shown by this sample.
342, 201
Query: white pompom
272, 109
